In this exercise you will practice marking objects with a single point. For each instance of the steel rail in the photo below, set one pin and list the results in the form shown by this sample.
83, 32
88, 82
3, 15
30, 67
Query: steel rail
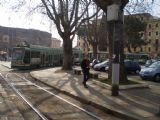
82, 109
25, 99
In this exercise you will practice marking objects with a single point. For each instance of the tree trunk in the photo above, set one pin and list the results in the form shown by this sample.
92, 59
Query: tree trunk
123, 75
67, 50
129, 48
110, 38
94, 51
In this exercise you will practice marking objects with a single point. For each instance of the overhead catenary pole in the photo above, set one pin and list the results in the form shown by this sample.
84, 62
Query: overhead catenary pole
115, 18
114, 11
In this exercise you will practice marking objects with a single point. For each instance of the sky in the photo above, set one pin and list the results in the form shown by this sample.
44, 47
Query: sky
19, 19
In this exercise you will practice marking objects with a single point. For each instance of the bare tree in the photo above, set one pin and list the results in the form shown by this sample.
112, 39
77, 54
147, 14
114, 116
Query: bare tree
92, 29
94, 32
68, 15
139, 6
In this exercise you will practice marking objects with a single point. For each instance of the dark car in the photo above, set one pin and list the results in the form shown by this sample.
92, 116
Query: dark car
132, 66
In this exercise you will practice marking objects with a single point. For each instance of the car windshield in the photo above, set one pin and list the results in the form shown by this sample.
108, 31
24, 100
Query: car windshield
155, 65
17, 54
148, 62
104, 62
95, 61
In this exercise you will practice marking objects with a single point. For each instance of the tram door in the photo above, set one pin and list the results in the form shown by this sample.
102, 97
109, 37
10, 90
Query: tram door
27, 57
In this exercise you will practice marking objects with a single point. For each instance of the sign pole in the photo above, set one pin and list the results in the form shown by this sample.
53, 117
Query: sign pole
115, 17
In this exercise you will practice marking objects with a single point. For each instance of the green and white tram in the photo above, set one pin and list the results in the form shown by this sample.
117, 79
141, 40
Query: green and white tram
32, 56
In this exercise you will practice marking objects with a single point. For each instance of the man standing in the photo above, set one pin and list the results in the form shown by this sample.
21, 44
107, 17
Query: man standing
85, 69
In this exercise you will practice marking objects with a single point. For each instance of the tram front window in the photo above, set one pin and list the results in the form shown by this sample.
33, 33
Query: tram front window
18, 54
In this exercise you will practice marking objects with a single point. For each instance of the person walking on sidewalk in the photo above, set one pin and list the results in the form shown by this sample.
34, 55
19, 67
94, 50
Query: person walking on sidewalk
85, 69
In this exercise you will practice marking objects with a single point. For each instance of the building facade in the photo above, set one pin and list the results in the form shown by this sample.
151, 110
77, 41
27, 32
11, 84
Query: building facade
83, 44
55, 43
11, 37
151, 35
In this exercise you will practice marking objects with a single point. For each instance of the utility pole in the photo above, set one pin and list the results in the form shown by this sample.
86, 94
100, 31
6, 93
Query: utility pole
114, 11
115, 19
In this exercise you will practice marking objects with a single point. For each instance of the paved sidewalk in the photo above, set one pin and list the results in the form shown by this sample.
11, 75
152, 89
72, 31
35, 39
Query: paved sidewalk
127, 105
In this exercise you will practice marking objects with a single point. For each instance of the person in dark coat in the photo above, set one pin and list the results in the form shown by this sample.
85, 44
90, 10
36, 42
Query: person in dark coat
85, 69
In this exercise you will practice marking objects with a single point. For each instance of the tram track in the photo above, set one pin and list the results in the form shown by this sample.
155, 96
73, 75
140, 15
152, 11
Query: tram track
47, 104
13, 84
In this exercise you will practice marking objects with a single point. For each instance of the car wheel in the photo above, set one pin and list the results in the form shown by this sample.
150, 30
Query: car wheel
102, 69
157, 78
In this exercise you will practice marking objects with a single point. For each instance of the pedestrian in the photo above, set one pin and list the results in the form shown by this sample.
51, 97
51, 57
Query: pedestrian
85, 69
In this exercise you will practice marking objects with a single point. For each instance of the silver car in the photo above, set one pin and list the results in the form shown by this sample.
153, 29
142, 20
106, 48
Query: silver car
151, 72
101, 66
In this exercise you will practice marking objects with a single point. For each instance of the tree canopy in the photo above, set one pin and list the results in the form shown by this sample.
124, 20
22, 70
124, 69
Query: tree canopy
133, 32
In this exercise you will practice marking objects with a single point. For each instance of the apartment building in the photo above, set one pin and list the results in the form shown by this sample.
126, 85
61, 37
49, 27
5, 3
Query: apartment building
151, 36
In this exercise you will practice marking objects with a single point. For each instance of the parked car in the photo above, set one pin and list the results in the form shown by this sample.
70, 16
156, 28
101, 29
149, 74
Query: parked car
149, 62
101, 66
151, 72
94, 62
130, 66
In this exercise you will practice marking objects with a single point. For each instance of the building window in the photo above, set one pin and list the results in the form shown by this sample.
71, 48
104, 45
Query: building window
149, 26
149, 49
141, 49
156, 32
156, 24
149, 41
5, 39
156, 49
156, 42
149, 33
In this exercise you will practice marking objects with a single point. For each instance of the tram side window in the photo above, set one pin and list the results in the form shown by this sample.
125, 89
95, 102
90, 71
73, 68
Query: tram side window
27, 57
35, 54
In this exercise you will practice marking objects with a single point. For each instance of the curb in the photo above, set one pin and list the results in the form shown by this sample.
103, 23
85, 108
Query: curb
107, 109
6, 66
121, 87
